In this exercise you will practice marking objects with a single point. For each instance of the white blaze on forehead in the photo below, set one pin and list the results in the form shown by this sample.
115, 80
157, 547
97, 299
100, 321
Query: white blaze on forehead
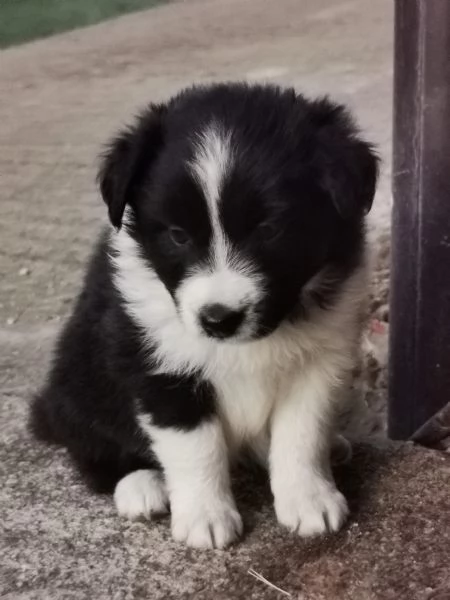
210, 165
211, 161
227, 278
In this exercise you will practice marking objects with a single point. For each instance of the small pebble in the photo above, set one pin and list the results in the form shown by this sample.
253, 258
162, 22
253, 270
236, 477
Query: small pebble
24, 271
11, 320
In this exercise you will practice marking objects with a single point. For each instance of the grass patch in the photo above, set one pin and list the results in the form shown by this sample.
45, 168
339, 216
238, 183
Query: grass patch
26, 20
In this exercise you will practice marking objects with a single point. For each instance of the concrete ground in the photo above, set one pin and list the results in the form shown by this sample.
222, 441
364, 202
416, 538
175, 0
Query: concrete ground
60, 99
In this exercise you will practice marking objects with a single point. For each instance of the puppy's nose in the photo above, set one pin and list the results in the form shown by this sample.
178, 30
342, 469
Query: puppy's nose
221, 321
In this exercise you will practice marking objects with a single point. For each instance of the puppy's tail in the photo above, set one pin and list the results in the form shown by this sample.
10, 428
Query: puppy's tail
40, 421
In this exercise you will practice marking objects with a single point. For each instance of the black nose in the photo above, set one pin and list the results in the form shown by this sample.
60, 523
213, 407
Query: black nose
220, 321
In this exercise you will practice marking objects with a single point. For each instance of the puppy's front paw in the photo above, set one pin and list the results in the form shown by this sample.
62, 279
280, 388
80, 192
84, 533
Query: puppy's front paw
310, 506
208, 525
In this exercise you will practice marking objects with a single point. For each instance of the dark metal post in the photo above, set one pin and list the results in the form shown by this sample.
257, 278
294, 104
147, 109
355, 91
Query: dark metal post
420, 276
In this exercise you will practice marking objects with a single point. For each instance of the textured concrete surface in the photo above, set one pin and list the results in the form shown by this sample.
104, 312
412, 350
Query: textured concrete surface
59, 101
58, 542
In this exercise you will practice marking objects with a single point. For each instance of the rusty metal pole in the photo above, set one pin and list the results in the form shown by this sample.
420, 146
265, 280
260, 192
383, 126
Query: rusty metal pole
420, 275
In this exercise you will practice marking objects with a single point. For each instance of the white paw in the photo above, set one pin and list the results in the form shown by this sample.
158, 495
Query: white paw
311, 506
141, 494
207, 525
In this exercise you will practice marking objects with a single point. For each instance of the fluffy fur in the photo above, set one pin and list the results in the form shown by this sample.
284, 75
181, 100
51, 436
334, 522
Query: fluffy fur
221, 312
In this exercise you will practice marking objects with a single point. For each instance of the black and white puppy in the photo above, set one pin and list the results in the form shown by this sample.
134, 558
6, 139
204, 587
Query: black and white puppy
222, 311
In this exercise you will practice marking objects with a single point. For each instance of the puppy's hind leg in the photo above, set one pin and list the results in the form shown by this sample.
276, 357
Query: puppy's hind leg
141, 494
106, 466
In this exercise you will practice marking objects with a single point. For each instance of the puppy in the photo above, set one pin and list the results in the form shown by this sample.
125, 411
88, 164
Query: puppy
221, 312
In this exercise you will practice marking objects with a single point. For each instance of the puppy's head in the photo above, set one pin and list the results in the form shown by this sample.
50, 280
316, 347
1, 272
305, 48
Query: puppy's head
239, 197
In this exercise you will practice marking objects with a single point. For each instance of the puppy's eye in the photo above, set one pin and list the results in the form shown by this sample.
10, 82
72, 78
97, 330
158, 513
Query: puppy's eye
268, 231
179, 236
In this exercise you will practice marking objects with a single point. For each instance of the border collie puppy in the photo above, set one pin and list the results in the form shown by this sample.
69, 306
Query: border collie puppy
221, 312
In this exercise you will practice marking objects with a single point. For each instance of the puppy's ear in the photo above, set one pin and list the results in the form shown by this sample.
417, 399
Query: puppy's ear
127, 161
348, 165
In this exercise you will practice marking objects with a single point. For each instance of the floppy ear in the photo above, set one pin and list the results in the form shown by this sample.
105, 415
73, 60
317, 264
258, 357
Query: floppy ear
348, 164
127, 160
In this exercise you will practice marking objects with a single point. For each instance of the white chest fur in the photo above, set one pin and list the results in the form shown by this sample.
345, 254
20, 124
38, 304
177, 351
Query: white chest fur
246, 377
245, 402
